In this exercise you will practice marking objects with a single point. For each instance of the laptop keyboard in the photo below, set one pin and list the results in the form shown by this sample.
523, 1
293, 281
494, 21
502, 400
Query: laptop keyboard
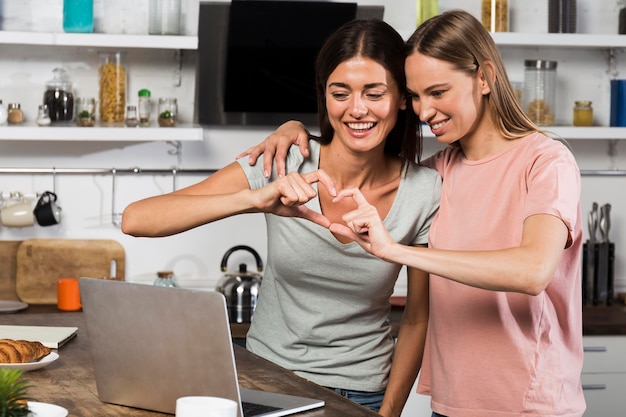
252, 409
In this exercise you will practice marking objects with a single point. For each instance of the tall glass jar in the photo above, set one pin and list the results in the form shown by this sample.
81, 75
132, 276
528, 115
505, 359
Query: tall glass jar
168, 111
78, 16
539, 91
495, 15
112, 87
164, 17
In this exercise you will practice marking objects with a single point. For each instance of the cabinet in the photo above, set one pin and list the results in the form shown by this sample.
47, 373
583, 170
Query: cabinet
145, 51
604, 375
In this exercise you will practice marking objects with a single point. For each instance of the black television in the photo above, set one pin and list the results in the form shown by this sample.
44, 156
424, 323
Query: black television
256, 58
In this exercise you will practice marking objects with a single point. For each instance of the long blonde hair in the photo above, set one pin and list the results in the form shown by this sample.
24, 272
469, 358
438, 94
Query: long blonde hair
459, 38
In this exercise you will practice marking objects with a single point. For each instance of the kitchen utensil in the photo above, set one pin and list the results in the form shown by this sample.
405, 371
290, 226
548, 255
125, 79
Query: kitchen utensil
40, 262
590, 257
240, 288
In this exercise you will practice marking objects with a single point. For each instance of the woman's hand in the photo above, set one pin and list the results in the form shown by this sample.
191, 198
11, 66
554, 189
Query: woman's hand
363, 224
276, 146
287, 196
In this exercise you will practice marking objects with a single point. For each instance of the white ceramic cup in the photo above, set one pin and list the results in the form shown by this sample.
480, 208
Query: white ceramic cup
17, 215
201, 406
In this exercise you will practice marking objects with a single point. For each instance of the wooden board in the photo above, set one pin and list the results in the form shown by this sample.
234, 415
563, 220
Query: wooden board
8, 257
40, 262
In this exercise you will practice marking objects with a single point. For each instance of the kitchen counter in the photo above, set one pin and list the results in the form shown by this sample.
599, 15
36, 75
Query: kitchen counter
70, 382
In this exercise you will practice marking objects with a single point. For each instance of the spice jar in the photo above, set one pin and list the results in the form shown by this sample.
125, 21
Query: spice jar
144, 107
112, 87
166, 279
59, 97
15, 115
538, 98
131, 116
43, 117
168, 111
85, 111
495, 15
583, 113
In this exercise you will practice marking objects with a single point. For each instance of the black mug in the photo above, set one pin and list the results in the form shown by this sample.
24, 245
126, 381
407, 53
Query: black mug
46, 212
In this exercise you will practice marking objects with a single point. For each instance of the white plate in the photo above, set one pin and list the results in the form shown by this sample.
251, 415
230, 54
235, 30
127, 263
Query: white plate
45, 410
31, 366
11, 306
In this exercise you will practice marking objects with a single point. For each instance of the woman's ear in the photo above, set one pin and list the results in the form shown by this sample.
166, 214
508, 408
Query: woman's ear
486, 71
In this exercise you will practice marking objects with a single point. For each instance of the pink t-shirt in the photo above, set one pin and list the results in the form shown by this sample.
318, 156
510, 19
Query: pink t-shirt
492, 353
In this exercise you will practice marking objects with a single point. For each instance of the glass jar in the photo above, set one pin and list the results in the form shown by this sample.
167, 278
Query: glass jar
4, 114
131, 116
86, 111
43, 117
59, 97
164, 17
78, 16
15, 115
538, 97
583, 113
168, 111
562, 16
112, 87
144, 107
426, 9
166, 279
495, 15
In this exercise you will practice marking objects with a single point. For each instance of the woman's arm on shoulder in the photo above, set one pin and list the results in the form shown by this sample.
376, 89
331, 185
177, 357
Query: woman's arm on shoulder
276, 146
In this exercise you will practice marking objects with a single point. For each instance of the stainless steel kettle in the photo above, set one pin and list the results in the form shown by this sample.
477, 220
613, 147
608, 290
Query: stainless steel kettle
240, 288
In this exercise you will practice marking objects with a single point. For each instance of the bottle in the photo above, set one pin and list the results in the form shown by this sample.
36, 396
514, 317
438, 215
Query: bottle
621, 28
78, 16
538, 97
166, 279
15, 114
112, 88
131, 116
86, 111
495, 15
168, 112
562, 16
43, 117
144, 107
426, 9
583, 113
164, 17
4, 114
59, 97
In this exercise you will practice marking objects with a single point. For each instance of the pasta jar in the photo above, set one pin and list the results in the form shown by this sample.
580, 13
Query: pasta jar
538, 98
495, 15
583, 113
112, 87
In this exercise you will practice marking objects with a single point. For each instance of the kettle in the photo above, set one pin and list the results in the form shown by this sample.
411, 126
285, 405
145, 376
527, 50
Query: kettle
240, 288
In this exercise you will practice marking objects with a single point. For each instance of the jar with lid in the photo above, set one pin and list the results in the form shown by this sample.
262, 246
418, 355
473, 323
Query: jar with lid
538, 98
112, 87
562, 16
78, 16
86, 111
43, 117
144, 107
166, 279
164, 17
583, 113
131, 116
4, 114
495, 15
168, 111
15, 114
59, 97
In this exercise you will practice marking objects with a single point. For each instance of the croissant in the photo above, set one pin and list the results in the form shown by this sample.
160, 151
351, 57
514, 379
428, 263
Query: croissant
21, 351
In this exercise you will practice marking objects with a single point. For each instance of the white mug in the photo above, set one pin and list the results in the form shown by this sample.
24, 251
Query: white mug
17, 215
201, 406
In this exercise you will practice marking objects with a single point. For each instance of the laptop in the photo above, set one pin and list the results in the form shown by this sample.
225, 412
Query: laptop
151, 345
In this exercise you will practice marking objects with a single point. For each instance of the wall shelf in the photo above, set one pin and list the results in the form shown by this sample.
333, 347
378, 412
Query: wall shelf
98, 40
182, 132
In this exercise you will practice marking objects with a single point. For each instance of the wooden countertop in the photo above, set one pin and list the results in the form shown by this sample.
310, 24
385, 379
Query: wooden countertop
70, 382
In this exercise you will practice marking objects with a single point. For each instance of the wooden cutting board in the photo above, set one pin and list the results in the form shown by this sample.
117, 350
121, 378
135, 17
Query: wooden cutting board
40, 262
8, 258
